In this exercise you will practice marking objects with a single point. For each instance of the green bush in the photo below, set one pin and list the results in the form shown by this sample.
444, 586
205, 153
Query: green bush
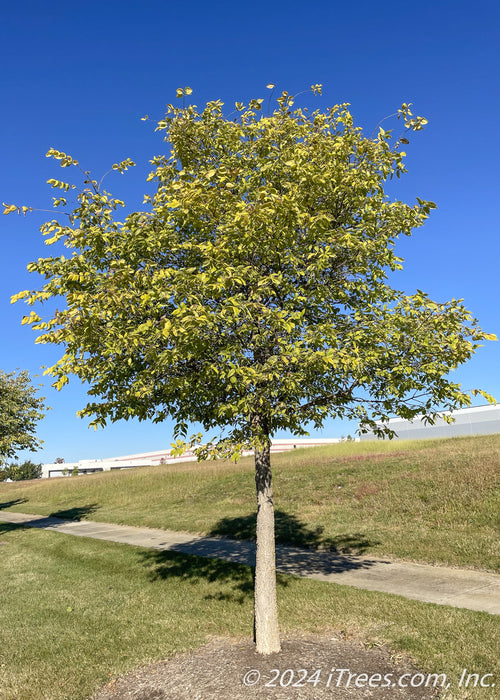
20, 472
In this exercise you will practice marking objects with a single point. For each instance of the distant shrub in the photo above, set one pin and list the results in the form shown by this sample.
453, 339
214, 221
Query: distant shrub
21, 472
72, 472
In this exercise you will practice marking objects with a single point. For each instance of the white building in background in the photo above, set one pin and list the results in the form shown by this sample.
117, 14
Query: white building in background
479, 420
146, 459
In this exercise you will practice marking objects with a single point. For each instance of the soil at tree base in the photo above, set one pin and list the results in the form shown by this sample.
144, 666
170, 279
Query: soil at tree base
217, 670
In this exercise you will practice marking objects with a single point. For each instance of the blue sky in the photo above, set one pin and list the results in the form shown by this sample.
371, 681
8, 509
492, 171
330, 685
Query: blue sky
79, 76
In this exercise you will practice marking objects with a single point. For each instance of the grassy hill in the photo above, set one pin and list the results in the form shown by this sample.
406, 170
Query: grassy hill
435, 501
76, 612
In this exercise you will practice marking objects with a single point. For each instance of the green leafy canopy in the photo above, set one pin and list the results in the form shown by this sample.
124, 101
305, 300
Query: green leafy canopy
20, 410
251, 293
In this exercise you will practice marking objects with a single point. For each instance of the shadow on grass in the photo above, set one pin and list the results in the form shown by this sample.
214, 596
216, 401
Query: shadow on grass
9, 504
290, 530
77, 513
236, 580
218, 558
54, 519
5, 528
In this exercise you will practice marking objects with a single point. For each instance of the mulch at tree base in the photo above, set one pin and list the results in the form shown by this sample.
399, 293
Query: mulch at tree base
308, 667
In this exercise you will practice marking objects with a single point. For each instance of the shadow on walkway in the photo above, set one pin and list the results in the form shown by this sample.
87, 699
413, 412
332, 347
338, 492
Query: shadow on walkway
289, 530
178, 554
217, 556
334, 556
55, 519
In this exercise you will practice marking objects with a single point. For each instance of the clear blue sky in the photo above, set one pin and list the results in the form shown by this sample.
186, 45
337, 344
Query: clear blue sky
79, 76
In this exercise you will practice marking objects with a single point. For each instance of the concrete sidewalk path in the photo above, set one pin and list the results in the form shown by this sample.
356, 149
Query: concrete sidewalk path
462, 588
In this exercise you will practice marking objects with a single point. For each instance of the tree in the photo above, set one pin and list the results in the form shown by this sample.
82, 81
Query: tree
20, 410
251, 294
21, 472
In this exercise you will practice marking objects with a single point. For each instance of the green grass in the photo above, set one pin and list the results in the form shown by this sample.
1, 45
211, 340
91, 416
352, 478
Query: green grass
75, 612
433, 501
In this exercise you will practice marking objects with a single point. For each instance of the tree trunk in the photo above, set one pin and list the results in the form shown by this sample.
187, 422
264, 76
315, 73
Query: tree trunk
266, 610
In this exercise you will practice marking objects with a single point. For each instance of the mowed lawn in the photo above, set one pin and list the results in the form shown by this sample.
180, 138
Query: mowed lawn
433, 501
75, 612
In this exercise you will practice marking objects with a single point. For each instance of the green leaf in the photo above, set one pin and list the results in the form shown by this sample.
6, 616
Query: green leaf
252, 296
20, 410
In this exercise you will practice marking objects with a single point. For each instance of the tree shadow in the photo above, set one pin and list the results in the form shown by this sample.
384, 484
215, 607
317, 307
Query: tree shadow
77, 513
9, 504
220, 556
54, 519
5, 528
289, 530
235, 579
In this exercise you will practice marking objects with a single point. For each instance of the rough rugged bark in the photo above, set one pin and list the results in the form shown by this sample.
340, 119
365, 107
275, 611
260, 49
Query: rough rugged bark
266, 611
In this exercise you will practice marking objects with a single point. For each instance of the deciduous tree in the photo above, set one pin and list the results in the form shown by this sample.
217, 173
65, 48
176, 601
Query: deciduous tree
21, 472
20, 410
251, 293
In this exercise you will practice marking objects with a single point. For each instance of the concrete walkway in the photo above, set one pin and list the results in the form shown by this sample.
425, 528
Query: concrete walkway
462, 588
